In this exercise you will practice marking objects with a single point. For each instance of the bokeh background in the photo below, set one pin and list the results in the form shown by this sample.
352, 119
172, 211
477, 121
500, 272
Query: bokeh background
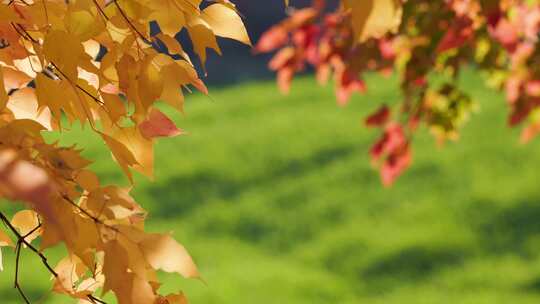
277, 201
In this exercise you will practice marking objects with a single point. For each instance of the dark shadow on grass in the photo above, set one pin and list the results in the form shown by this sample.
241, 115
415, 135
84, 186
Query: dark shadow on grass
512, 228
532, 286
414, 263
184, 193
279, 231
507, 230
276, 230
404, 266
409, 266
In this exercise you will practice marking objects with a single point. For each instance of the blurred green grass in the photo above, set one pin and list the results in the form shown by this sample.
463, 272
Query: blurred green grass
275, 198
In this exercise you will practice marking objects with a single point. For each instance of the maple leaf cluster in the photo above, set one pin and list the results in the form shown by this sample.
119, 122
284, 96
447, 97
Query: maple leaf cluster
103, 64
426, 44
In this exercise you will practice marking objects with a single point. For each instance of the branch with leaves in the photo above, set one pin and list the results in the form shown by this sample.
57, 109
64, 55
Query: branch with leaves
426, 44
84, 62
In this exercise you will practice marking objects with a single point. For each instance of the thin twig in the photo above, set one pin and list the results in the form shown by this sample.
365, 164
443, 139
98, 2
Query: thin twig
126, 18
21, 239
95, 300
78, 86
85, 212
101, 11
17, 263
32, 231
24, 34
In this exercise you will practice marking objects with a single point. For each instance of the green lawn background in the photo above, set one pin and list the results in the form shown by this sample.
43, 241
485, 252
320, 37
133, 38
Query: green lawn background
276, 200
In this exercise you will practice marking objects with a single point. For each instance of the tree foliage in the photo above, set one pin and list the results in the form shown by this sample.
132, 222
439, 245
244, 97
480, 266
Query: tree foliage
103, 64
425, 43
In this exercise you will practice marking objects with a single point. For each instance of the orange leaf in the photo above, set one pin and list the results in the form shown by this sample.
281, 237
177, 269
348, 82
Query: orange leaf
158, 125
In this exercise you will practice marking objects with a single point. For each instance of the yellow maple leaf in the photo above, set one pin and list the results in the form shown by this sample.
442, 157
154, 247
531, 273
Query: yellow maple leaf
373, 18
225, 22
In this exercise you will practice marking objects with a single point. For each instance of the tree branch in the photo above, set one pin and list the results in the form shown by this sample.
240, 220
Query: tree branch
126, 18
20, 239
85, 212
95, 300
17, 263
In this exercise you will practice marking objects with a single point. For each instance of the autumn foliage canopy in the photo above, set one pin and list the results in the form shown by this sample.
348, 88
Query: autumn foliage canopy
426, 44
